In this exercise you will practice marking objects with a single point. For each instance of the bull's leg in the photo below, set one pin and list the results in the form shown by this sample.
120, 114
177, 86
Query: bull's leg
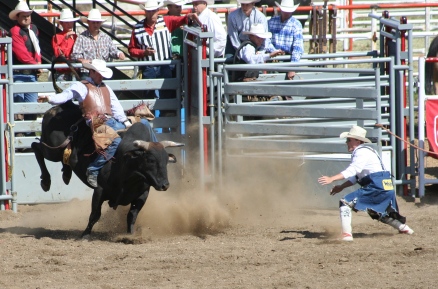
96, 212
66, 173
135, 209
45, 175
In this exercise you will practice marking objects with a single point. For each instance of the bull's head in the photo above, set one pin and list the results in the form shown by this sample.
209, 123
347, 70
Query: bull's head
150, 162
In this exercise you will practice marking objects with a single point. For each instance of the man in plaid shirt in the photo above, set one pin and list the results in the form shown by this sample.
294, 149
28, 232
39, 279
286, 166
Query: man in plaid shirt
287, 33
93, 43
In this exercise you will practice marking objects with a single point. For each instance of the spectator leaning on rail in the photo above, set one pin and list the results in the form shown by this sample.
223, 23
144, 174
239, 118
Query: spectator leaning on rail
253, 52
213, 23
150, 41
376, 195
93, 43
25, 50
100, 106
287, 32
62, 42
241, 20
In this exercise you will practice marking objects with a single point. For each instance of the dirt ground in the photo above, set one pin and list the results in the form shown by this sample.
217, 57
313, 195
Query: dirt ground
266, 234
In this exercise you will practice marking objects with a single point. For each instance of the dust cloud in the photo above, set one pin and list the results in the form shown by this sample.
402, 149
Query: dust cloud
254, 191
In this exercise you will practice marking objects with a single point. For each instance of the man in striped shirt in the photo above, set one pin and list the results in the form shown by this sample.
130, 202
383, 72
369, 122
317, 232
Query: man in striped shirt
151, 41
287, 33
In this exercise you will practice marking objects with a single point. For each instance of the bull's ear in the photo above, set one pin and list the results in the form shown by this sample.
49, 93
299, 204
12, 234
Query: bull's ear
168, 143
172, 158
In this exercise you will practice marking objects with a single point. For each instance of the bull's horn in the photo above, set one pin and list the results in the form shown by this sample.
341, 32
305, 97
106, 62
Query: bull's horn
168, 143
142, 144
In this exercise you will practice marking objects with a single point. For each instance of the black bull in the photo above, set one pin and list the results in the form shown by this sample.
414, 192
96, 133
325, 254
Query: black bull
137, 165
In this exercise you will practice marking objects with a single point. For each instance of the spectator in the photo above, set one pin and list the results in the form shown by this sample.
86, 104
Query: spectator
376, 195
175, 8
251, 52
287, 33
241, 20
100, 106
213, 23
93, 43
63, 42
150, 41
25, 50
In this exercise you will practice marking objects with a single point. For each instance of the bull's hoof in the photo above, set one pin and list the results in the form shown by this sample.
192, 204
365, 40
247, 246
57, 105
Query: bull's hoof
66, 176
45, 185
85, 237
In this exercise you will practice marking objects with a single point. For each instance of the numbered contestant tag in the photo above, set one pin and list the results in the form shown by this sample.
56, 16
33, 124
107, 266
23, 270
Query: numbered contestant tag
387, 184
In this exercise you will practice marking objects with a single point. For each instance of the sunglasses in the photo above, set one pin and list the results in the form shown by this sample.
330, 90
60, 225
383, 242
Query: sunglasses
349, 140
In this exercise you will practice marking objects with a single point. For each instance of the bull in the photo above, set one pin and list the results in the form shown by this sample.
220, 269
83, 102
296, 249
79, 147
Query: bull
138, 163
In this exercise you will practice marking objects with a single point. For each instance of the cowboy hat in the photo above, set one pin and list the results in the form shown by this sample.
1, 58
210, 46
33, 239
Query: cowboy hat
258, 30
287, 6
151, 5
209, 2
175, 2
99, 65
66, 16
356, 132
21, 7
93, 15
248, 1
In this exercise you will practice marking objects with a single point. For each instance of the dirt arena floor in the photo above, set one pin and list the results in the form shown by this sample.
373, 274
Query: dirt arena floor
266, 234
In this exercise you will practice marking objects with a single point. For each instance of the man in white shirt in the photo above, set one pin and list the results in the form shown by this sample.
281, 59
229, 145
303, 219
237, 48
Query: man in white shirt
213, 23
376, 195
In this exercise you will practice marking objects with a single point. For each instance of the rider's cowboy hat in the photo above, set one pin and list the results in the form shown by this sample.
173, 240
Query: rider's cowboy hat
151, 5
175, 2
93, 15
287, 6
356, 132
248, 1
66, 16
21, 7
209, 2
99, 65
258, 30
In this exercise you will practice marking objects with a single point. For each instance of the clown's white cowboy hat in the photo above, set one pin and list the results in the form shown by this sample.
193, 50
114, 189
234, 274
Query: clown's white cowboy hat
99, 65
248, 1
93, 15
258, 30
209, 2
175, 2
151, 5
356, 132
20, 8
66, 16
287, 6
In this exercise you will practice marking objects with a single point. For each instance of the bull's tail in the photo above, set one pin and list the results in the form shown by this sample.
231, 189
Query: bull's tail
429, 67
61, 59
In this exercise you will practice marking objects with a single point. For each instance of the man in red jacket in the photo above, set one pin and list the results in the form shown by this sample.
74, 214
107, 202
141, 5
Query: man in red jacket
25, 50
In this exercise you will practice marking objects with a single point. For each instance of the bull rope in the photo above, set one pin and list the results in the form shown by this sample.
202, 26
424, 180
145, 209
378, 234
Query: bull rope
406, 142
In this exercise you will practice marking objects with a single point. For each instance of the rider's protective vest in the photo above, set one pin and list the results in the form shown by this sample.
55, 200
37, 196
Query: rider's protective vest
97, 102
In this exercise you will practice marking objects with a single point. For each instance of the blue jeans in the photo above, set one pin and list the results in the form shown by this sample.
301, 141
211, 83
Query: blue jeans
101, 159
151, 131
152, 72
26, 96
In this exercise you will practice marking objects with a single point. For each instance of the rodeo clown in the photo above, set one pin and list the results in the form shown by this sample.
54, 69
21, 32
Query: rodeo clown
102, 111
376, 195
